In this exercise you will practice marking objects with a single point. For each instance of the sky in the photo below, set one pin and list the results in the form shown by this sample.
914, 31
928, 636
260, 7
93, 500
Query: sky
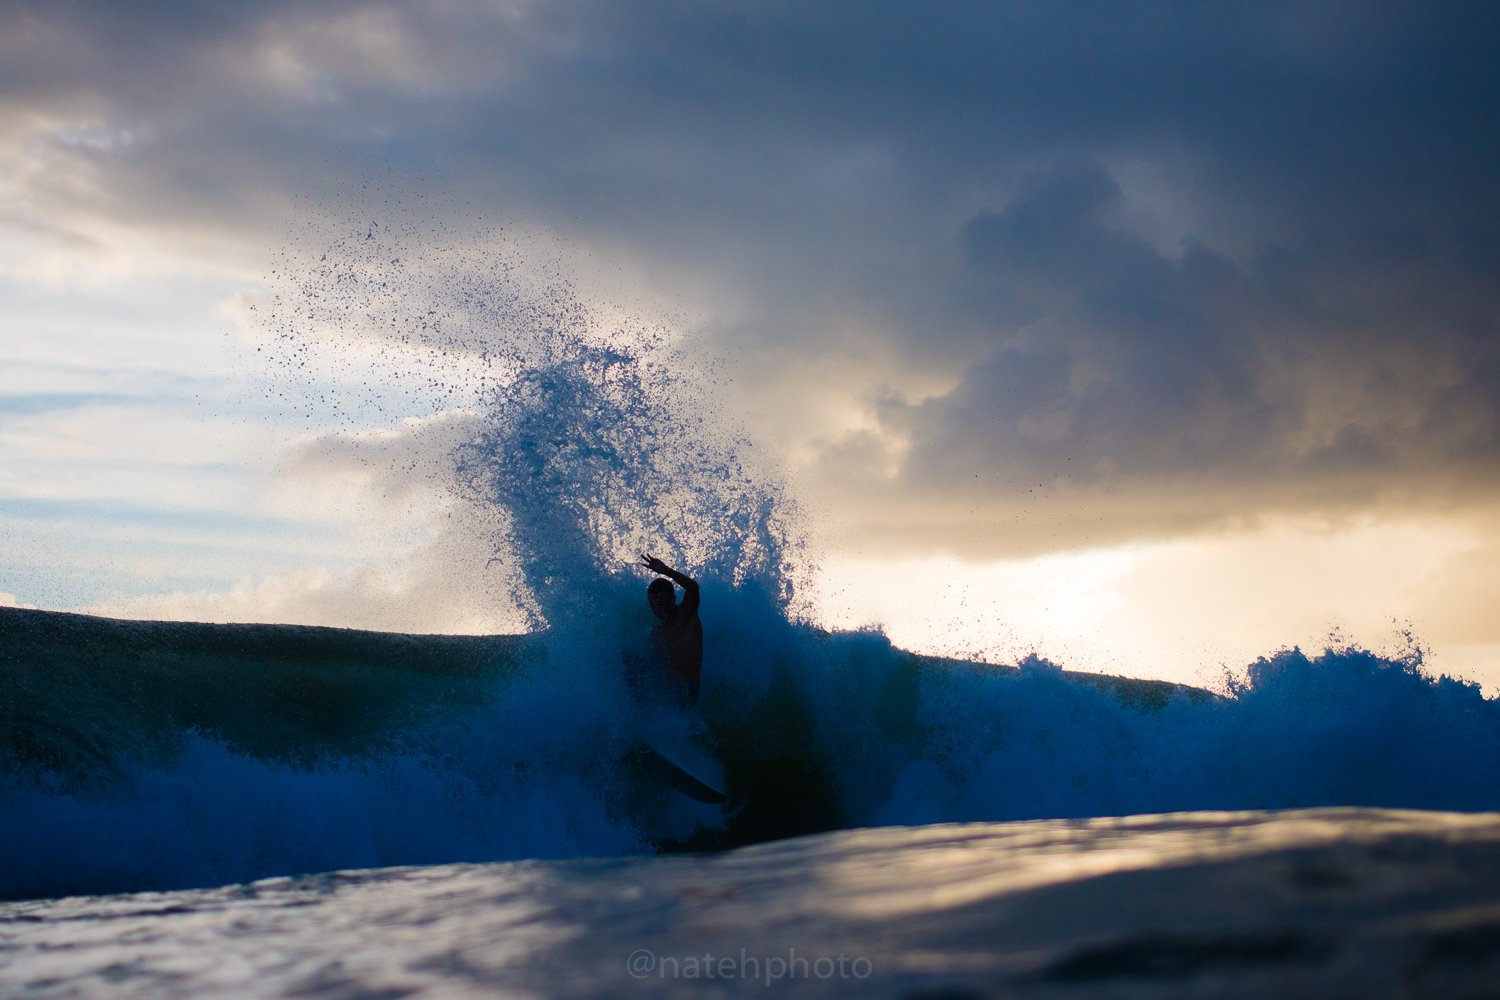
1150, 337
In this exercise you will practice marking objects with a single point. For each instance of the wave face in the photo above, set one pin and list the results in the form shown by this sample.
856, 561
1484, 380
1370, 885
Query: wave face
169, 755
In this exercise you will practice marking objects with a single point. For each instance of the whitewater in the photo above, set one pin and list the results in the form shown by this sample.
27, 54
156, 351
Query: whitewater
452, 777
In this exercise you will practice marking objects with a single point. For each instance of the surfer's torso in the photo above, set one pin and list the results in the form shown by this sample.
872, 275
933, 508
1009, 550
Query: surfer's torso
679, 644
677, 635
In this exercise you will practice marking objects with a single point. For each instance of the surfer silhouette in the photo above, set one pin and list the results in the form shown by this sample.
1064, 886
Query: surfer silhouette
668, 676
677, 637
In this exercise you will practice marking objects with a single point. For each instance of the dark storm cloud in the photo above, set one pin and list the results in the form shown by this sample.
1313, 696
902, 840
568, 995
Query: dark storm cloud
1329, 378
1216, 259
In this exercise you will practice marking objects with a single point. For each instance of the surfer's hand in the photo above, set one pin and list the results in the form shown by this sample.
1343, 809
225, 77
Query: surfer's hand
655, 565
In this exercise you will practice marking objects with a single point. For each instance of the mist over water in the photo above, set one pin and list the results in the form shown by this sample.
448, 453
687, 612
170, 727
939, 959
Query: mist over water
590, 444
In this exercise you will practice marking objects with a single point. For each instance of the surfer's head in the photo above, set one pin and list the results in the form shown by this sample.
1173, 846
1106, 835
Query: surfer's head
662, 597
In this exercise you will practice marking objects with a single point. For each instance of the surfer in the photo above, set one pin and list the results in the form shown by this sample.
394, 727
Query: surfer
678, 634
669, 675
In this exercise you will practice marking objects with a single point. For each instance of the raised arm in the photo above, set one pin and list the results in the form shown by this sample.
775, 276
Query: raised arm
688, 584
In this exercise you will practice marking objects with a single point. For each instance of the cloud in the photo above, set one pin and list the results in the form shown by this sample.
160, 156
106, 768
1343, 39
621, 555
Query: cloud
1194, 385
999, 276
426, 556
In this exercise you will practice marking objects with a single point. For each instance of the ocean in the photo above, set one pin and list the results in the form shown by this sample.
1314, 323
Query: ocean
1318, 903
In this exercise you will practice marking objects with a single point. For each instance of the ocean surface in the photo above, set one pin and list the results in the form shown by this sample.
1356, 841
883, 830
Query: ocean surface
1326, 903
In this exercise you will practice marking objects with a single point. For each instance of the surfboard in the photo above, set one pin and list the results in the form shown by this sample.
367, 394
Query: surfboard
660, 766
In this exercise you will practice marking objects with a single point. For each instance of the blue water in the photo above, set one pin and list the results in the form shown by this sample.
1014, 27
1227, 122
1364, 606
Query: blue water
167, 765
